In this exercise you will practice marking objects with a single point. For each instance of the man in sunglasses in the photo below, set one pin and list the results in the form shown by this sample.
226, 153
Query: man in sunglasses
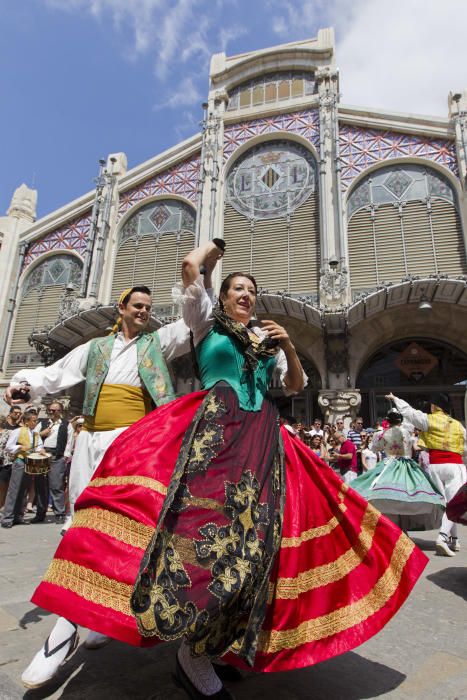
55, 432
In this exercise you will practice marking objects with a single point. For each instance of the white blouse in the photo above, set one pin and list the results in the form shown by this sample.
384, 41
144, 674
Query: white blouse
123, 368
196, 305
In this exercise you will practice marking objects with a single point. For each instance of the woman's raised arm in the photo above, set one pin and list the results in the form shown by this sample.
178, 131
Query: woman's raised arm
206, 256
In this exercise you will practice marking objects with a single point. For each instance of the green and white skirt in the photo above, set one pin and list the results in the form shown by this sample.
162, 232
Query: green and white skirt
400, 489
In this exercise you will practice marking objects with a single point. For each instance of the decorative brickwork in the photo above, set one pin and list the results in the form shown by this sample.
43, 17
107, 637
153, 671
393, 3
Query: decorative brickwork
181, 179
360, 148
70, 236
305, 123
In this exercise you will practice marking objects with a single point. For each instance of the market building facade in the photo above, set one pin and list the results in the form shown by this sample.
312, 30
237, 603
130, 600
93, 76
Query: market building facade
352, 220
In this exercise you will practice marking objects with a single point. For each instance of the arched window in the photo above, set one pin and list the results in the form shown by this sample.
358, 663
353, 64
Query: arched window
152, 244
412, 368
271, 223
272, 87
403, 220
42, 292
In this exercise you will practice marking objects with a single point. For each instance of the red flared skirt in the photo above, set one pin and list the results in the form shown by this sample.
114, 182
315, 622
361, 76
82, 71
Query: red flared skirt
457, 507
342, 571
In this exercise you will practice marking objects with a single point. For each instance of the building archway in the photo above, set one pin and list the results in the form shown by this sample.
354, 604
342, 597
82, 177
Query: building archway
43, 288
271, 216
412, 368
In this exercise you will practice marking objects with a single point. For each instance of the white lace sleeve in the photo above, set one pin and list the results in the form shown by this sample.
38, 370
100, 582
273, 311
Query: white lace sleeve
417, 418
174, 339
196, 307
66, 372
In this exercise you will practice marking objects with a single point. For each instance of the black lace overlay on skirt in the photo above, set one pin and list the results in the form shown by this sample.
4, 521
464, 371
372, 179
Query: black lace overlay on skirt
206, 571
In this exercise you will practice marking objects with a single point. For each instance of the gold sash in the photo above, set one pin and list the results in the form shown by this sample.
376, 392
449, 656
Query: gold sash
118, 406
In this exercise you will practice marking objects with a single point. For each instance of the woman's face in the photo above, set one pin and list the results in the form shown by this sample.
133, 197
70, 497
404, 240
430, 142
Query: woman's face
239, 302
316, 442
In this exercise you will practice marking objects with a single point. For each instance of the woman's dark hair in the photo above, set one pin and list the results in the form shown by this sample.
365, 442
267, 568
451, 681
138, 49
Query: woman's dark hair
142, 289
226, 284
394, 417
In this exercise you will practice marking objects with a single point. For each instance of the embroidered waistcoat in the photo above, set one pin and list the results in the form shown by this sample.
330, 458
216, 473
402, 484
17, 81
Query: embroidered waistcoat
444, 433
152, 370
24, 439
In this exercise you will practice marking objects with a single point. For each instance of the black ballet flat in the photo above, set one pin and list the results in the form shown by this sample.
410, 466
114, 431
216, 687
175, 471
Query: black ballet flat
227, 673
182, 680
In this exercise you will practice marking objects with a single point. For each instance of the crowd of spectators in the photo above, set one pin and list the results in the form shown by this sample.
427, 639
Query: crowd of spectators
346, 444
51, 433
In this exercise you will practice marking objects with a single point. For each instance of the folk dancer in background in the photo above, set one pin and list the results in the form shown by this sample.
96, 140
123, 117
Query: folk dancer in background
398, 486
445, 439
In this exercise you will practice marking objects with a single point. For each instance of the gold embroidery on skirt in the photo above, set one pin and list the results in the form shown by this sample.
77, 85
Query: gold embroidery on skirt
186, 549
115, 525
207, 503
144, 481
344, 618
290, 588
319, 531
90, 585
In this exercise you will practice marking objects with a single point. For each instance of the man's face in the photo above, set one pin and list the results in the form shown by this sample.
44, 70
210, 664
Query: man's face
31, 421
359, 425
15, 415
135, 315
317, 425
54, 411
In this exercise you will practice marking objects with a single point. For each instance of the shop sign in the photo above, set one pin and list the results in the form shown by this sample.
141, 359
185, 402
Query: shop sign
416, 362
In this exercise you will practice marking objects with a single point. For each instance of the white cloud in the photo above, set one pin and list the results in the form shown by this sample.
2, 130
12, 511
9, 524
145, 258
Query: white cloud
180, 35
229, 34
187, 94
404, 55
188, 125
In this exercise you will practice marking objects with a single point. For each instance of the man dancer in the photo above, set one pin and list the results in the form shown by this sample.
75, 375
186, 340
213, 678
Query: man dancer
125, 374
445, 439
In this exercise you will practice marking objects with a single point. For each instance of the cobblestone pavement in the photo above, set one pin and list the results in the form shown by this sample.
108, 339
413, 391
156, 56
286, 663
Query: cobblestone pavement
422, 653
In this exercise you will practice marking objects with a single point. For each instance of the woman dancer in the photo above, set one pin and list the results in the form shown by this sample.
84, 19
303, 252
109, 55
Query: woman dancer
397, 485
207, 523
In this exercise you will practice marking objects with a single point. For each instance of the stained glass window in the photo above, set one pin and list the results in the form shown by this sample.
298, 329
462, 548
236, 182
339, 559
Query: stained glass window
56, 270
272, 87
398, 183
159, 218
271, 180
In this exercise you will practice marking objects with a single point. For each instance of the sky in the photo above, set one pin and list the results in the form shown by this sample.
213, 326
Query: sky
80, 79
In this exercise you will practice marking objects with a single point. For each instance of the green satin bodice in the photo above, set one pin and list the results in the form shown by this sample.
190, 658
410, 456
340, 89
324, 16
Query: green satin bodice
220, 358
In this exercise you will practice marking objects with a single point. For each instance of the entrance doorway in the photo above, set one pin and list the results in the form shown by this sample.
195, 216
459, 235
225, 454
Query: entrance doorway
412, 369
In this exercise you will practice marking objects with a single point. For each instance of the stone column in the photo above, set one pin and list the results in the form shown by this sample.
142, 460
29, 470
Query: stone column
339, 403
20, 216
457, 102
333, 290
210, 210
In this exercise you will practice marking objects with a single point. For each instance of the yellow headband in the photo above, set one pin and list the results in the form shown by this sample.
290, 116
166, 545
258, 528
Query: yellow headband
124, 294
116, 326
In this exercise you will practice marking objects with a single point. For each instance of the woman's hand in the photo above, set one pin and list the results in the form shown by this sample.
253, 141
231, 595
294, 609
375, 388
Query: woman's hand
278, 333
213, 255
17, 393
294, 377
201, 260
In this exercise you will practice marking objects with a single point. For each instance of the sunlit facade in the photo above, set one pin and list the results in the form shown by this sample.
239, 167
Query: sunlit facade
350, 219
